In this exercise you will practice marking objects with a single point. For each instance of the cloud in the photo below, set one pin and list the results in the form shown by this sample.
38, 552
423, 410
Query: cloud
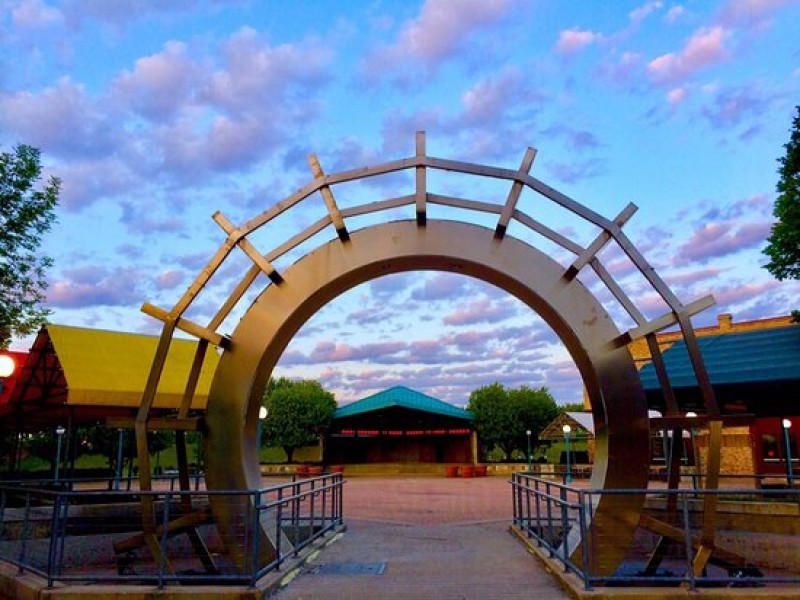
639, 14
713, 240
735, 106
481, 311
704, 49
96, 286
754, 14
442, 286
571, 41
170, 279
442, 28
160, 84
35, 14
61, 120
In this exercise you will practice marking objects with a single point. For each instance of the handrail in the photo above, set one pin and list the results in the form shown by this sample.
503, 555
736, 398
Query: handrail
548, 514
36, 522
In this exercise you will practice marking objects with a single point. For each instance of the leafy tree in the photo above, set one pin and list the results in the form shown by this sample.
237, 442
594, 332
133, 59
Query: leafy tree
298, 412
573, 407
783, 247
26, 213
503, 416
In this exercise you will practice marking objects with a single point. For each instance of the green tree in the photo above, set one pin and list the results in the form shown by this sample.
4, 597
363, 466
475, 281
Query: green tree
503, 416
298, 412
26, 213
783, 244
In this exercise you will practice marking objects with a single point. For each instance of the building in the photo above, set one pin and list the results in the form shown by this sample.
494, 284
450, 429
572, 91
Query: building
401, 425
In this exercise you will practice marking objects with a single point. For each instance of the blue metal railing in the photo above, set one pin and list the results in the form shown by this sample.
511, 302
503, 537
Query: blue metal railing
558, 518
94, 535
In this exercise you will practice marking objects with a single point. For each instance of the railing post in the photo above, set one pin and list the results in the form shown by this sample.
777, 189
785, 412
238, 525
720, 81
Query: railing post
54, 532
564, 526
584, 539
256, 536
278, 536
162, 558
25, 531
687, 528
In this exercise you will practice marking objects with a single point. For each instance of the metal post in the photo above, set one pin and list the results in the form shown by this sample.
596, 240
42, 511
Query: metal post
696, 481
566, 429
787, 441
118, 474
530, 468
59, 434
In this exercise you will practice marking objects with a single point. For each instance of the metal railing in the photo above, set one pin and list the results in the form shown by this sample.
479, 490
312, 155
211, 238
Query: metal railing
71, 535
558, 519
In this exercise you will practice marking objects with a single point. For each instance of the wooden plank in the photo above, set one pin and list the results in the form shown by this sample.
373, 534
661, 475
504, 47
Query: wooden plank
373, 207
475, 205
600, 242
514, 194
187, 326
159, 423
550, 234
330, 201
664, 321
421, 182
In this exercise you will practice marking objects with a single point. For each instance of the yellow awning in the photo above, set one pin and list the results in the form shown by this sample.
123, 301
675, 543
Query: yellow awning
110, 368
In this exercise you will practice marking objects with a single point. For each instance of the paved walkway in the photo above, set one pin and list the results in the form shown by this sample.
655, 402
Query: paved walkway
424, 538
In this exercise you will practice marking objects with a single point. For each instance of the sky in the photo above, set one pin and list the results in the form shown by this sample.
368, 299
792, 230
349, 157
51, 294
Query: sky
155, 115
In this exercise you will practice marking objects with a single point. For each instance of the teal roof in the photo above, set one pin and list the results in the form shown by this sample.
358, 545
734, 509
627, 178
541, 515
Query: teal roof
767, 355
402, 397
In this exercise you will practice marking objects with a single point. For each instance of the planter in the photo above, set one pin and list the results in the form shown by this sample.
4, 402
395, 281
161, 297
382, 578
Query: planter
480, 470
314, 471
468, 471
337, 469
301, 471
451, 471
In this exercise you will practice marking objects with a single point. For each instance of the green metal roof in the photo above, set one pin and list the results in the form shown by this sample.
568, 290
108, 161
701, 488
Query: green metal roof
402, 397
767, 355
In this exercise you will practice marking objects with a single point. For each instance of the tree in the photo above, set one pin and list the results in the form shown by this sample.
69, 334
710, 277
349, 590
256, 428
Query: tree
503, 417
26, 213
298, 412
783, 244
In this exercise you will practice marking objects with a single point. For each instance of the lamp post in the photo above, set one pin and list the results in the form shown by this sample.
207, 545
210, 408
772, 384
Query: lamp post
59, 434
789, 472
695, 454
118, 475
566, 429
530, 468
262, 414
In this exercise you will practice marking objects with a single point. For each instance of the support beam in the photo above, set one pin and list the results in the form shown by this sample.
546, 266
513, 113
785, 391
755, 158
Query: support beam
330, 201
662, 322
599, 242
187, 326
513, 195
235, 236
421, 180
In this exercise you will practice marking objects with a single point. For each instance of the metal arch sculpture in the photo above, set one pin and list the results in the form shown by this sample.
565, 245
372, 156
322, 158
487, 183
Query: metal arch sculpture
553, 290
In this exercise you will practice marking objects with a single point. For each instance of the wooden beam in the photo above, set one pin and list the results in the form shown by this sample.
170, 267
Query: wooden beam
600, 242
422, 188
513, 195
664, 321
187, 326
159, 423
330, 201
235, 236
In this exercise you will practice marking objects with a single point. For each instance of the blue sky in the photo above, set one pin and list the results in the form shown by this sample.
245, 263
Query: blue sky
157, 114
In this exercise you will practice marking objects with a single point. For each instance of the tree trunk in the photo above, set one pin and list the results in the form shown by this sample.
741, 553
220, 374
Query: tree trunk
289, 452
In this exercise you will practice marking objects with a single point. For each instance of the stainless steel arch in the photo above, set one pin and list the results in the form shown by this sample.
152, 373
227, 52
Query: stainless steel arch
552, 289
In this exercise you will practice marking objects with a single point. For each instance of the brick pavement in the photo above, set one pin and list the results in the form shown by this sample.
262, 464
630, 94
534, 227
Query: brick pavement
439, 538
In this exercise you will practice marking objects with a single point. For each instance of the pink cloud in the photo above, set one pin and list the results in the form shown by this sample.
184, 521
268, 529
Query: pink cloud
440, 30
571, 41
704, 49
159, 84
61, 120
751, 13
96, 286
35, 14
481, 311
720, 239
167, 280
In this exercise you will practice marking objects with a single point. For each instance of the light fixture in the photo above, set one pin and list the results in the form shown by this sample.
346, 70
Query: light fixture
7, 365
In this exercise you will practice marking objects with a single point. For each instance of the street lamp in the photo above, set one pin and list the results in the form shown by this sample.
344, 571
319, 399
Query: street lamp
262, 414
530, 468
7, 368
789, 472
566, 429
59, 434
